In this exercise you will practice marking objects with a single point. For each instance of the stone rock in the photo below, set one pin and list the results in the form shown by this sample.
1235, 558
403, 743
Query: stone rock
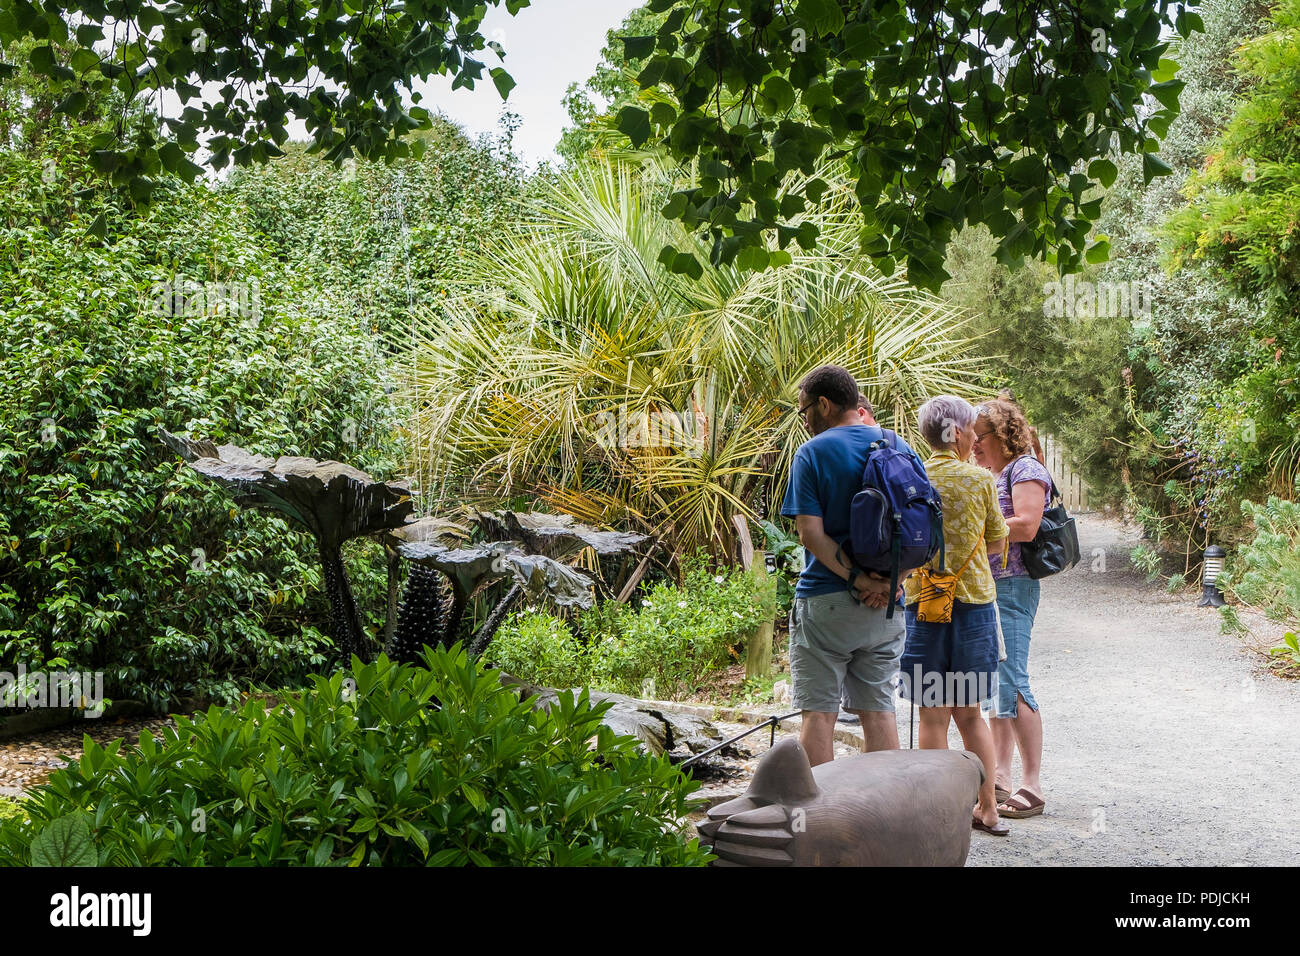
781, 692
660, 731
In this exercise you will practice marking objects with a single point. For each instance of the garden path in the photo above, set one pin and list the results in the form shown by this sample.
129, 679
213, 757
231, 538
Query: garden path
1165, 741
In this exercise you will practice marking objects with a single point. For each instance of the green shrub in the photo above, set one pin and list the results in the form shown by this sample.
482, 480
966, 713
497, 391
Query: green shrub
1266, 571
373, 237
11, 810
113, 556
368, 769
677, 636
787, 552
1147, 401
540, 648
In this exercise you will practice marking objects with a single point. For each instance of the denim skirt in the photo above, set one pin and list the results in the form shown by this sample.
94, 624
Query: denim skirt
953, 664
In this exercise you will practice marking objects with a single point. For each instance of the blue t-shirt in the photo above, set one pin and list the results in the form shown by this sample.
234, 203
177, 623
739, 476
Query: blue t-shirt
825, 475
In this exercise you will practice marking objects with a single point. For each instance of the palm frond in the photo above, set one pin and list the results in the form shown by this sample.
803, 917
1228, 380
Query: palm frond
574, 367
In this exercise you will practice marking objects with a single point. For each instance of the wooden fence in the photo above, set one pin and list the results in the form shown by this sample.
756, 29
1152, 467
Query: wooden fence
1073, 490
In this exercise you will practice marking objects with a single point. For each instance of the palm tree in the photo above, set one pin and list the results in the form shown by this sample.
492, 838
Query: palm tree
578, 369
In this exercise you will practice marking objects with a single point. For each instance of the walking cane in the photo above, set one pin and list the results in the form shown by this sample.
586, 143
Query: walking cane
911, 711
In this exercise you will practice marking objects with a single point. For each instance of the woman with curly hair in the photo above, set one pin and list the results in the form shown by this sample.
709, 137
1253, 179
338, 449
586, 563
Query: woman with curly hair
1004, 444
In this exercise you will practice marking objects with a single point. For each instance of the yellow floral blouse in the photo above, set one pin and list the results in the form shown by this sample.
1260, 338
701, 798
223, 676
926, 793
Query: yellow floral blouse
970, 505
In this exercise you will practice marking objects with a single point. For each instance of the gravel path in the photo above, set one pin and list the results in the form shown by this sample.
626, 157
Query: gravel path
1165, 742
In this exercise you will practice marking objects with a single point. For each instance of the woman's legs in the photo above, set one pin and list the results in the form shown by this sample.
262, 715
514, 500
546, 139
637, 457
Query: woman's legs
1024, 732
976, 737
1016, 722
933, 734
1028, 724
1004, 745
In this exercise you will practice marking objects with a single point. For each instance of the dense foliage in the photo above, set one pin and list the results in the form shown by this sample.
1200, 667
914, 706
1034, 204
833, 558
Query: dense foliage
572, 366
381, 765
945, 115
1241, 222
113, 556
376, 238
1127, 371
343, 67
1265, 572
11, 810
668, 645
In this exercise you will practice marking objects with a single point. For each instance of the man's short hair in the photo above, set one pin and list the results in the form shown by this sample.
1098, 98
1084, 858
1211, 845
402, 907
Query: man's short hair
835, 384
865, 403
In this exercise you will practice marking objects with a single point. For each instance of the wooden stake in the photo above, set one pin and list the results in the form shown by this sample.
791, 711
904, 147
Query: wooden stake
758, 648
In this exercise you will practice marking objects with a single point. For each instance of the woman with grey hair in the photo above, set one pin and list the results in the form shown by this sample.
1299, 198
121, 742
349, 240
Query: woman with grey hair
951, 657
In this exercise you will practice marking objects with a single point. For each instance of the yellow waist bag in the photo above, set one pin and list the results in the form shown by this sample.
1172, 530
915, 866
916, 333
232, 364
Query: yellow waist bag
938, 589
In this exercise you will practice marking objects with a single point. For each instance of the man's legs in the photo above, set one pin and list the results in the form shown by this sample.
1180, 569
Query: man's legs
841, 648
869, 680
879, 730
818, 736
817, 669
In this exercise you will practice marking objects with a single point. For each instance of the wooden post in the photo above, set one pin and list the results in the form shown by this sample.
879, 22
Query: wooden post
744, 543
758, 649
635, 577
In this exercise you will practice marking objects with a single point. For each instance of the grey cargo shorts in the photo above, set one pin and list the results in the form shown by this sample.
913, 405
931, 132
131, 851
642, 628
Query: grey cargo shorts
843, 652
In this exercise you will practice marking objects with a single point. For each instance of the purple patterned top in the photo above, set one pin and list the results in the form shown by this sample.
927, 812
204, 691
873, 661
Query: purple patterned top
1024, 468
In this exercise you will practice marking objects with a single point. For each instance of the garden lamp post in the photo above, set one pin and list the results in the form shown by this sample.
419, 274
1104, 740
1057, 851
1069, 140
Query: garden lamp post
1211, 596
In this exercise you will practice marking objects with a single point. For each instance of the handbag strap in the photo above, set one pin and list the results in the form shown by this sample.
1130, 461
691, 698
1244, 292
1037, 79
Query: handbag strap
972, 553
1053, 495
969, 559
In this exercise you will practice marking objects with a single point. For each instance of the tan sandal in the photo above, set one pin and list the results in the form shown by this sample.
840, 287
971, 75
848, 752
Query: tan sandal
1027, 805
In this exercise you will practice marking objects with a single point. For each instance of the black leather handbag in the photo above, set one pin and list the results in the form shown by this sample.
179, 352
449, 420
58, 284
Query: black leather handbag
1056, 546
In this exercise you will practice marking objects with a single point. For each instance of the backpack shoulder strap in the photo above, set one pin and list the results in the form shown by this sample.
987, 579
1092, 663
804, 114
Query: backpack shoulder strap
887, 439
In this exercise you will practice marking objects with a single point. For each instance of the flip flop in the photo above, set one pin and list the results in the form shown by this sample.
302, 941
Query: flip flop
998, 830
1027, 805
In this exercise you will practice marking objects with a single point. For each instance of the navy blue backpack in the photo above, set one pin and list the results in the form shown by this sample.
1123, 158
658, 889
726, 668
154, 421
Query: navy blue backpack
896, 520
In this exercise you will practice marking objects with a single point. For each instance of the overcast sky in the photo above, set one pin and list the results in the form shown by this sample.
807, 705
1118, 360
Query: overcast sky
548, 46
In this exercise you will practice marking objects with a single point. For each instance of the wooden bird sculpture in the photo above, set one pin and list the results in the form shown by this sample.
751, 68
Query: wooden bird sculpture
888, 808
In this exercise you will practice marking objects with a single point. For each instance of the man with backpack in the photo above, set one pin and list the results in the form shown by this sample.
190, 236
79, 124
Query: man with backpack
845, 642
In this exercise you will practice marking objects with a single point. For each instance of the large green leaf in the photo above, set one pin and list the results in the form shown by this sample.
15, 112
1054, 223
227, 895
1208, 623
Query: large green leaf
360, 109
65, 841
